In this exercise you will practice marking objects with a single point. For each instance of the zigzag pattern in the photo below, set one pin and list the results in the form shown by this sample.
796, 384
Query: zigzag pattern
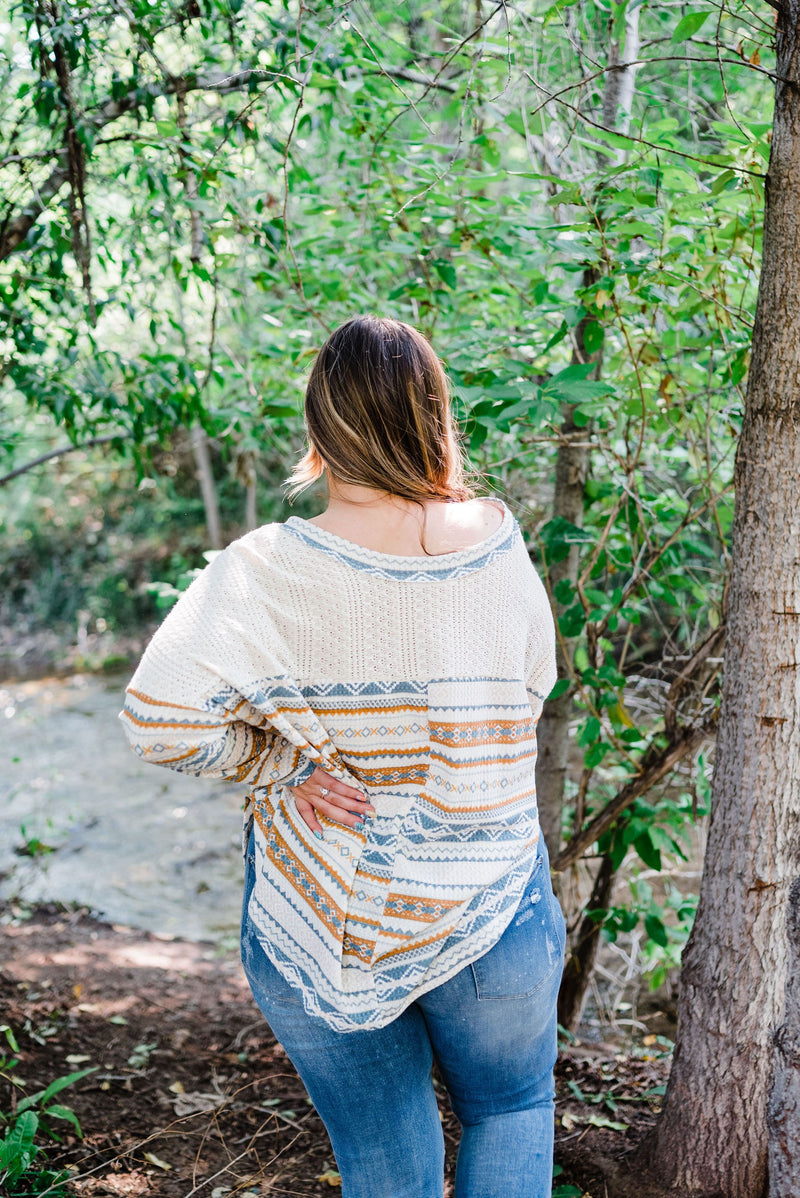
296, 650
446, 566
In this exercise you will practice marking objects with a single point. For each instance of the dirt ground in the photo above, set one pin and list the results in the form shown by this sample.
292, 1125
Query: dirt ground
192, 1095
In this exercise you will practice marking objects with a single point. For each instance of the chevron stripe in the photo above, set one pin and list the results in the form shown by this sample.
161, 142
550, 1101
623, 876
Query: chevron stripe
292, 652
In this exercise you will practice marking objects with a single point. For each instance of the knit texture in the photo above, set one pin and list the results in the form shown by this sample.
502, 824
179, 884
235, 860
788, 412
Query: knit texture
418, 680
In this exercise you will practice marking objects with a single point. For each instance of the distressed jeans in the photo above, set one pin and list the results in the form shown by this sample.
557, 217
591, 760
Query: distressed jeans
491, 1030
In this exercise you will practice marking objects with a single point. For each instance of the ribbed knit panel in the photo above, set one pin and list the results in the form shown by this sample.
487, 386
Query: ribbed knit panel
417, 679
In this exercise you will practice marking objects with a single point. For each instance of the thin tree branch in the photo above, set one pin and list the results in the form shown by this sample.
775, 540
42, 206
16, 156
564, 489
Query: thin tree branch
14, 231
686, 675
655, 765
57, 453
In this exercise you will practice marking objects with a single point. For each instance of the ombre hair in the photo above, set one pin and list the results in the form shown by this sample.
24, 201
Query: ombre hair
378, 414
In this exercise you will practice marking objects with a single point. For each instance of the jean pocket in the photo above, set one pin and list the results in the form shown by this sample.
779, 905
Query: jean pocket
266, 982
530, 950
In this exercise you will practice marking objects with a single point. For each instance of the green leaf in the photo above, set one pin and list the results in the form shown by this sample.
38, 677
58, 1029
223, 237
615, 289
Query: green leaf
11, 1039
647, 850
657, 978
595, 754
572, 386
563, 332
44, 1096
593, 337
17, 1149
655, 930
561, 687
590, 731
64, 1112
690, 24
572, 621
564, 590
559, 535
446, 271
721, 182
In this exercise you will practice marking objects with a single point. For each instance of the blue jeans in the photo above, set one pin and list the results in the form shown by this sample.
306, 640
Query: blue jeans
491, 1030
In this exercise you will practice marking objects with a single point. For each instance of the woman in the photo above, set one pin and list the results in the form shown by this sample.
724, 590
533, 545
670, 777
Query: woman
375, 675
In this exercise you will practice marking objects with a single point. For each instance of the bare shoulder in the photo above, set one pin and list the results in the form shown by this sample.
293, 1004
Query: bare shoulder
460, 525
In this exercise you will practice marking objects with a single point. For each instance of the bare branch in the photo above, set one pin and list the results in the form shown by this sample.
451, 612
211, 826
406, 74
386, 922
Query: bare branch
13, 231
57, 453
655, 766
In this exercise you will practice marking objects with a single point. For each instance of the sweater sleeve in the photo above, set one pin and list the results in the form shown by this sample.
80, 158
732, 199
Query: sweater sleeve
211, 695
540, 655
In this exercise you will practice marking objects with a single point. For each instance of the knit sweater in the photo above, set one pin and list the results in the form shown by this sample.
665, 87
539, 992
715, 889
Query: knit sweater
417, 680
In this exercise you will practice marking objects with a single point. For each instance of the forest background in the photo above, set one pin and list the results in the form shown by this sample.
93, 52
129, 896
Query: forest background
567, 198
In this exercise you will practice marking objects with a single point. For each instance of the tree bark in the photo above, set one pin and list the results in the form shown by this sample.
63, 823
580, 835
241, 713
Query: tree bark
572, 467
783, 1112
580, 964
711, 1137
208, 490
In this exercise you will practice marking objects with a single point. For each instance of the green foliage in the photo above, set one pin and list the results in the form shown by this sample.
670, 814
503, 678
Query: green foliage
403, 161
562, 1190
21, 1170
32, 846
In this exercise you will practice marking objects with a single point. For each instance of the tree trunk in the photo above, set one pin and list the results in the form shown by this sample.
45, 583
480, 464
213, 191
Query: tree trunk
711, 1137
572, 467
208, 490
580, 963
783, 1112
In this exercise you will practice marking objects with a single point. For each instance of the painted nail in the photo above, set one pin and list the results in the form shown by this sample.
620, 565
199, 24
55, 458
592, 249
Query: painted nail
319, 836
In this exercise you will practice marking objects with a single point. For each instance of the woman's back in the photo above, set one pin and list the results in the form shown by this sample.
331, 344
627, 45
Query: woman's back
417, 678
375, 675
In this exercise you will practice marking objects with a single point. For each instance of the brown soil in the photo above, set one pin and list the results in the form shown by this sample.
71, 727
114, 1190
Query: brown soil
192, 1095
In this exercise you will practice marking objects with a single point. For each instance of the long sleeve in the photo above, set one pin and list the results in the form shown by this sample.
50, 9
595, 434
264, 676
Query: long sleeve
211, 695
540, 654
210, 739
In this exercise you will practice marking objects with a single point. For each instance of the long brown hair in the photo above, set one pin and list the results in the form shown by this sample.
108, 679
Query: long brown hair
378, 414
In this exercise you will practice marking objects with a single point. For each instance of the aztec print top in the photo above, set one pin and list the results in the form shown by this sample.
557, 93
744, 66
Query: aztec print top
418, 680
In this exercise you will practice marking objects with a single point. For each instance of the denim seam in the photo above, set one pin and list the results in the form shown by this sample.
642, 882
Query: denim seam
511, 997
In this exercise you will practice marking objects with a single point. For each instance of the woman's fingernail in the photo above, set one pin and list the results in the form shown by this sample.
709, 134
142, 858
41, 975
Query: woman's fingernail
319, 836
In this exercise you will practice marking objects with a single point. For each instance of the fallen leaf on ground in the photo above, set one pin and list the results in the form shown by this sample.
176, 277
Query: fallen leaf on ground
570, 1118
157, 1161
330, 1177
190, 1104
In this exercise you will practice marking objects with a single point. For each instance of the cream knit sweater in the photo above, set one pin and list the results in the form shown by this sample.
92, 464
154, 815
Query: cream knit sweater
418, 680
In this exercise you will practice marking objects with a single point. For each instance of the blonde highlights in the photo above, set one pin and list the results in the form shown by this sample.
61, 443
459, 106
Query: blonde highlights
378, 415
